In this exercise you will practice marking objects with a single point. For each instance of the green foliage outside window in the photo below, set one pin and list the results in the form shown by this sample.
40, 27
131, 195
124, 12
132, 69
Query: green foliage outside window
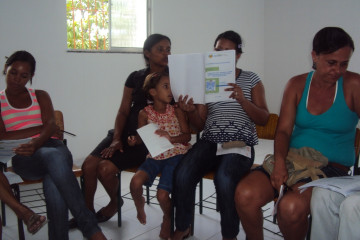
87, 24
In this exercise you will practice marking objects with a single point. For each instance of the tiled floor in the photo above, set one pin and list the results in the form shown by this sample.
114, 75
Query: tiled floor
206, 227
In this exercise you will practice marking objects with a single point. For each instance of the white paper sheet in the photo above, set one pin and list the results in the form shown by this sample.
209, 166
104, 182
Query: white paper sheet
202, 76
154, 143
281, 194
187, 76
13, 177
7, 146
264, 148
245, 151
343, 185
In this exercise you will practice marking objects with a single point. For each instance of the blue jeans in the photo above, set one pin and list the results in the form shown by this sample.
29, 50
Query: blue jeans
199, 160
53, 162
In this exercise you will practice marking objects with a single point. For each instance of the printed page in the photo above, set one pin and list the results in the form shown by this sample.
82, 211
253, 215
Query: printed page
154, 143
219, 71
7, 146
187, 76
245, 151
343, 185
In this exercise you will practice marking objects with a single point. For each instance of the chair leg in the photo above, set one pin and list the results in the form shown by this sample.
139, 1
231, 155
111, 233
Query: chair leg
119, 197
20, 223
201, 196
192, 221
21, 229
3, 214
308, 235
147, 195
172, 228
82, 185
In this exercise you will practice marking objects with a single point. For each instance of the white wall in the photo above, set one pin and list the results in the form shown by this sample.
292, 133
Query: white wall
88, 87
290, 26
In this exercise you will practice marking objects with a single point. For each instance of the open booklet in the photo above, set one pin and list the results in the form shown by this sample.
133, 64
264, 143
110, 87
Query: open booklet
7, 148
202, 76
153, 142
343, 185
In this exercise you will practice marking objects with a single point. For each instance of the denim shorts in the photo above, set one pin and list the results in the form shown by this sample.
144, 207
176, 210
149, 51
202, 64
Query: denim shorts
166, 167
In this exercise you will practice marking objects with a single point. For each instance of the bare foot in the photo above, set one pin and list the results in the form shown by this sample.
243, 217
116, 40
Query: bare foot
35, 222
165, 232
98, 236
178, 235
109, 210
141, 215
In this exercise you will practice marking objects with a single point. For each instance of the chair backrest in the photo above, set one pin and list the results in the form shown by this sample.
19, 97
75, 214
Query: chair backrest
59, 120
268, 130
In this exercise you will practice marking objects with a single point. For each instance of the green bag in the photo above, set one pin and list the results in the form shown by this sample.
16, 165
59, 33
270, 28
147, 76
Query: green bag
300, 163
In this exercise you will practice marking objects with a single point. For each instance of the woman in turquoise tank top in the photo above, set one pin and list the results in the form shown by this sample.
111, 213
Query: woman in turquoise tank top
320, 110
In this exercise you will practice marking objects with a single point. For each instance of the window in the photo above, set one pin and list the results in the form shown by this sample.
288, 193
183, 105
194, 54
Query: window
107, 25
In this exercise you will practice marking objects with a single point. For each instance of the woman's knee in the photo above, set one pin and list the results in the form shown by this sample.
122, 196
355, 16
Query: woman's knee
106, 169
246, 196
292, 209
90, 164
253, 191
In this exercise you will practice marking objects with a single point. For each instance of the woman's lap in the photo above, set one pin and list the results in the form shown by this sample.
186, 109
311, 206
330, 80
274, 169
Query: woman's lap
36, 166
130, 157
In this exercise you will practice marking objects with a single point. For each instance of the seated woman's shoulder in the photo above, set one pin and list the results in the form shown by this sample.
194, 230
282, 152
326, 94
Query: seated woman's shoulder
352, 76
138, 72
298, 79
300, 76
40, 92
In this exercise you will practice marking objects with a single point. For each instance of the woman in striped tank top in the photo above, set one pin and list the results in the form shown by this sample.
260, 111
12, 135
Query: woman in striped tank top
28, 113
220, 122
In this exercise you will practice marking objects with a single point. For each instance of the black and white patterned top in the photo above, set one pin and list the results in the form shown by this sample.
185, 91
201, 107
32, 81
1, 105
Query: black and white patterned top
227, 121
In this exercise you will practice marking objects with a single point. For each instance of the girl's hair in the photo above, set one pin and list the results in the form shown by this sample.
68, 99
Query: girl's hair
21, 56
331, 39
232, 36
151, 41
151, 81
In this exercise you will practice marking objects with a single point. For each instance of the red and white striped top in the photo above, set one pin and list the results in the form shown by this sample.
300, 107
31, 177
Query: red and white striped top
20, 118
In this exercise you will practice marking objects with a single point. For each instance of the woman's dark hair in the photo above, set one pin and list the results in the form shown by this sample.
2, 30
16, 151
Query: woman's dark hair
331, 39
21, 56
151, 81
151, 41
232, 36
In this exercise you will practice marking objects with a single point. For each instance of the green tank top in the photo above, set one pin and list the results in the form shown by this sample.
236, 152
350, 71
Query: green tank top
332, 133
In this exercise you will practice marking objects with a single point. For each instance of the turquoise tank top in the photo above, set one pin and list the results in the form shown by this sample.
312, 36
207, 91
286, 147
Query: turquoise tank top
332, 133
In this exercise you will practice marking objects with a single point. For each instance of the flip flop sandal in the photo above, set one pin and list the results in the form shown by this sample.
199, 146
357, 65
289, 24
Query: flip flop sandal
36, 223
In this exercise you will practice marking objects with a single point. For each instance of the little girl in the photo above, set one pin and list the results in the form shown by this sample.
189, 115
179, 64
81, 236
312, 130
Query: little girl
173, 125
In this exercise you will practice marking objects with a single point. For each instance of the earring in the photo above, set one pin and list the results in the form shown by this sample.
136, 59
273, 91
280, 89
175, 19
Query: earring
314, 65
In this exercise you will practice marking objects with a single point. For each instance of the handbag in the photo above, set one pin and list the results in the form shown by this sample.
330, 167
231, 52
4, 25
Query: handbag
300, 163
